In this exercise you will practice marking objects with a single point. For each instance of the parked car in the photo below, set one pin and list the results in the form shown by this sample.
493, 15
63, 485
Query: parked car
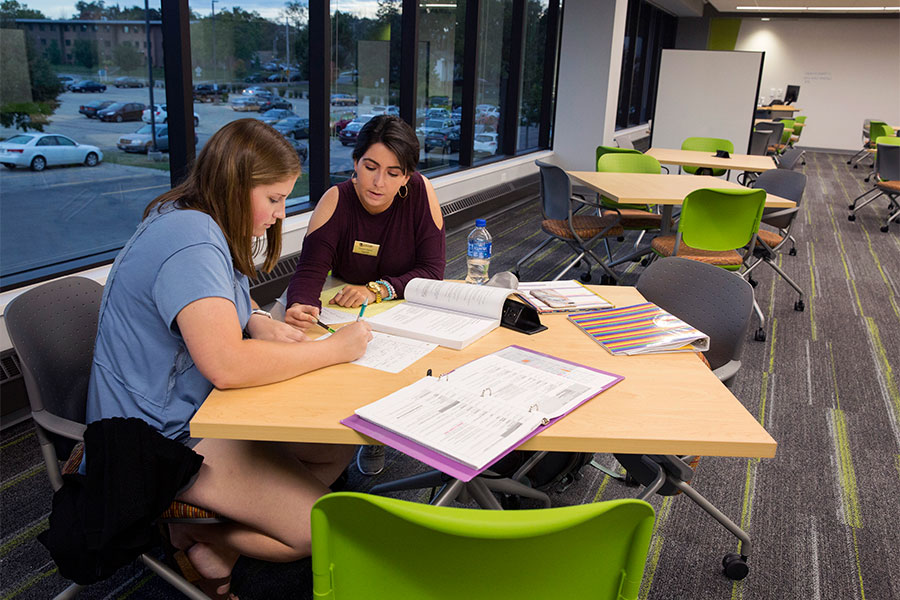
295, 127
255, 78
445, 141
40, 150
162, 116
439, 101
349, 133
128, 82
210, 92
142, 139
273, 115
340, 119
122, 111
88, 86
485, 143
344, 100
433, 125
66, 81
274, 102
301, 148
437, 113
90, 109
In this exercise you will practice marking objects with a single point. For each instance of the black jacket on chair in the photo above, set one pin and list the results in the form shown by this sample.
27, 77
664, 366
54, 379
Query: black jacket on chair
103, 520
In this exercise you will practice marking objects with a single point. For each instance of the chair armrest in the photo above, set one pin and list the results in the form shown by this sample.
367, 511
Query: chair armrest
727, 371
664, 167
60, 426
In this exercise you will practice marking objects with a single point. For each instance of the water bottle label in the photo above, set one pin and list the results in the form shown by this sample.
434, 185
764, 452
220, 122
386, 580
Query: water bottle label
479, 249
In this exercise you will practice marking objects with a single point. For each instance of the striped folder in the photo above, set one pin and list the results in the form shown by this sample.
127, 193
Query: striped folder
640, 329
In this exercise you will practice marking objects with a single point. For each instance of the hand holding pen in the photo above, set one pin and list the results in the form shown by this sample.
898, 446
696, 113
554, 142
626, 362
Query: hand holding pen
362, 309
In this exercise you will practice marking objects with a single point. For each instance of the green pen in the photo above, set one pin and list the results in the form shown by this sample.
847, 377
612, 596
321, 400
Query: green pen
324, 326
362, 309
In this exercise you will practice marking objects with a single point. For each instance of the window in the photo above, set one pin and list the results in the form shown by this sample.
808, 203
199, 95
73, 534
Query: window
532, 87
495, 24
125, 28
647, 31
69, 43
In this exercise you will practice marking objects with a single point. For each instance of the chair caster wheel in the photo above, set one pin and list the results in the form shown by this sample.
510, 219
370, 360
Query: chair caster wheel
760, 335
855, 166
585, 277
607, 280
799, 306
793, 252
851, 206
645, 262
620, 239
884, 228
752, 281
851, 217
734, 566
803, 163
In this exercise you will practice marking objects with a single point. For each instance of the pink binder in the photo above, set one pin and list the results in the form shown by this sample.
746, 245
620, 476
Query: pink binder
444, 463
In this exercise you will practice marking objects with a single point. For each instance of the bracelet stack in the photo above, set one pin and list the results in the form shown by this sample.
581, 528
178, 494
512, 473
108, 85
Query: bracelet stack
392, 293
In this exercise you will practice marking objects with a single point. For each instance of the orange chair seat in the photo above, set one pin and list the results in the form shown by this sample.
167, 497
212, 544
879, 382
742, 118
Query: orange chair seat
635, 218
586, 226
771, 238
892, 187
665, 246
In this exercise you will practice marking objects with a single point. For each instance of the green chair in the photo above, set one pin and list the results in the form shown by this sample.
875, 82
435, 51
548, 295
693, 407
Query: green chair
371, 547
867, 123
713, 226
603, 150
877, 129
887, 171
705, 144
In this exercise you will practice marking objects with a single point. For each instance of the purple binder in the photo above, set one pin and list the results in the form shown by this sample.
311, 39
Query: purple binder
444, 463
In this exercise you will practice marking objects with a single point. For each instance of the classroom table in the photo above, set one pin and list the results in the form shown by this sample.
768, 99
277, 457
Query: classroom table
700, 158
779, 110
667, 404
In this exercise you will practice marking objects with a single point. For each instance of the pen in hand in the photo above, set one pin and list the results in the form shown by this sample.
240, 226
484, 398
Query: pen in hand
362, 309
324, 326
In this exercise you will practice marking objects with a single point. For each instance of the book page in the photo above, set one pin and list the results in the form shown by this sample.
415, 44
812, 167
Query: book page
457, 423
392, 353
431, 324
479, 300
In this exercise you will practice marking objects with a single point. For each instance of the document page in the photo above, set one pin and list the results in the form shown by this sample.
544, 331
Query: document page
529, 380
477, 300
429, 324
392, 353
459, 424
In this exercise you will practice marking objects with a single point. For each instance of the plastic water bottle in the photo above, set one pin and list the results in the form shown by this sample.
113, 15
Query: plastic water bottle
478, 257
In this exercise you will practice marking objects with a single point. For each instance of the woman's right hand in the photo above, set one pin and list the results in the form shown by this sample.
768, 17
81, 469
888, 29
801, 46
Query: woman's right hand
352, 339
301, 316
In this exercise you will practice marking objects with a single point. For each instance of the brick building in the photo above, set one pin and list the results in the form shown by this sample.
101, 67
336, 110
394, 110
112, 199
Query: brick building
107, 33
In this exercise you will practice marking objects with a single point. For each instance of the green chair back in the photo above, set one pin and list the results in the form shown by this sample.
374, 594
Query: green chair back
621, 162
878, 129
705, 144
799, 124
721, 219
788, 131
893, 140
801, 120
371, 547
601, 150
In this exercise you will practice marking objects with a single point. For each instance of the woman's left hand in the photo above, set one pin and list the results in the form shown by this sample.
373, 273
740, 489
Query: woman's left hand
261, 327
352, 296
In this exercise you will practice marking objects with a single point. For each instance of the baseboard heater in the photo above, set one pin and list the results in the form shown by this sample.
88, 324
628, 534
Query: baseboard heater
492, 200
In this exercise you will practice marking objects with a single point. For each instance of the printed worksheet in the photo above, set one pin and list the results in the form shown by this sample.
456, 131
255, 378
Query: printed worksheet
391, 353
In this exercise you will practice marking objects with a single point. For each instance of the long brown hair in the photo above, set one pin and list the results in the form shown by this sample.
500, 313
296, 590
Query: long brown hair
240, 156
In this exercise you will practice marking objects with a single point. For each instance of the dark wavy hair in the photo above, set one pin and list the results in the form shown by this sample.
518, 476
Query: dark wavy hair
395, 134
240, 156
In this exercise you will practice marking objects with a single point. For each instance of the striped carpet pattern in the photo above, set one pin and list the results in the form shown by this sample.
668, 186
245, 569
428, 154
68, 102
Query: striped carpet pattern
823, 515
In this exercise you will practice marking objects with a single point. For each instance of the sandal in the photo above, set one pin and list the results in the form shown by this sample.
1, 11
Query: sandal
178, 561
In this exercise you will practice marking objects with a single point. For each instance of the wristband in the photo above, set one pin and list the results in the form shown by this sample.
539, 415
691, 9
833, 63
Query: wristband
259, 311
391, 292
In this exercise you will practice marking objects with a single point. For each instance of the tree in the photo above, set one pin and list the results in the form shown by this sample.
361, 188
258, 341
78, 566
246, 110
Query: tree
45, 87
85, 53
10, 10
127, 57
53, 53
94, 10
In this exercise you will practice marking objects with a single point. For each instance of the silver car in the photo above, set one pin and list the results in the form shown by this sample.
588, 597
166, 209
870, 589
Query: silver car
41, 150
142, 139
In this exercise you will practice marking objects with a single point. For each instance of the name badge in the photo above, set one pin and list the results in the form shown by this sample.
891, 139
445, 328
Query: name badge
366, 248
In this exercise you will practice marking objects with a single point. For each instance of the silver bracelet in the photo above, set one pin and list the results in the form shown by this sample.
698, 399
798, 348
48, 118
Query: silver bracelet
259, 311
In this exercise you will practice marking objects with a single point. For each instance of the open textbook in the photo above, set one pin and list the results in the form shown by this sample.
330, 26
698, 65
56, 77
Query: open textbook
464, 421
640, 329
447, 313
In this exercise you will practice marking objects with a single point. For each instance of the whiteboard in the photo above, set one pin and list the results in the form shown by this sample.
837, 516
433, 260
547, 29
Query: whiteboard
706, 93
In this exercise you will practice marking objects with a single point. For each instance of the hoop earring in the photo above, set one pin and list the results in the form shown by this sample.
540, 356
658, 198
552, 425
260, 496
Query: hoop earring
403, 192
353, 176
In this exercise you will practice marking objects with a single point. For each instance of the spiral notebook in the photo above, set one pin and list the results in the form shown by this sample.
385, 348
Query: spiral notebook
640, 329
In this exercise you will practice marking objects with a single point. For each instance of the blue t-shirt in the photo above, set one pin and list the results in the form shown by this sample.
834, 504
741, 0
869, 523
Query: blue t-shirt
141, 365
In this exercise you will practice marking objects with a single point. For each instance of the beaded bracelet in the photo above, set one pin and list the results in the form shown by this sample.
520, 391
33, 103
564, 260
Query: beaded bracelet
391, 292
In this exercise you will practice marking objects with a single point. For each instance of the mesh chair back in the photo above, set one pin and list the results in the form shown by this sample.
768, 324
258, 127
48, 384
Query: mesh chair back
366, 546
887, 161
790, 158
777, 130
788, 185
603, 150
706, 144
53, 328
721, 220
556, 191
759, 142
707, 297
628, 163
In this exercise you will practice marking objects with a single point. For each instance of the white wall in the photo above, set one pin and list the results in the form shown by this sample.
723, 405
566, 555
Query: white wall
587, 94
848, 70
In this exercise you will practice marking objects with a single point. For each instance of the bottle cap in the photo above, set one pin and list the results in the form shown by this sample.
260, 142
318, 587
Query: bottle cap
480, 223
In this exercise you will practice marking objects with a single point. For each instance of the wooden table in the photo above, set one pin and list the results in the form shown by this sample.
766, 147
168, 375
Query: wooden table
779, 108
667, 404
699, 158
665, 190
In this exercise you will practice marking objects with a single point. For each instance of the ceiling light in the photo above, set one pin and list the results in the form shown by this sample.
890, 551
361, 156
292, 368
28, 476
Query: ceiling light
765, 19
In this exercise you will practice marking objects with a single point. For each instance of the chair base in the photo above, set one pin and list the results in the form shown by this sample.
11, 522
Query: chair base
480, 489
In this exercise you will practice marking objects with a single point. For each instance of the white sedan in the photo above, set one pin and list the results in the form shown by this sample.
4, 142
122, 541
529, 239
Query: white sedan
40, 150
162, 115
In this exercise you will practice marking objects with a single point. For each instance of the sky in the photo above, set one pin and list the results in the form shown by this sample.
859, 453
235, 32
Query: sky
64, 9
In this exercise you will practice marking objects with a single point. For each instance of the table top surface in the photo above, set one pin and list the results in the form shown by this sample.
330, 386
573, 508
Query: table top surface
667, 404
780, 107
701, 158
645, 188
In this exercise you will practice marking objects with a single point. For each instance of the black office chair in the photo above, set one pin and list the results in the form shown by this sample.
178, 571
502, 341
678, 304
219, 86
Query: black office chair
759, 145
788, 185
579, 231
718, 304
53, 328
